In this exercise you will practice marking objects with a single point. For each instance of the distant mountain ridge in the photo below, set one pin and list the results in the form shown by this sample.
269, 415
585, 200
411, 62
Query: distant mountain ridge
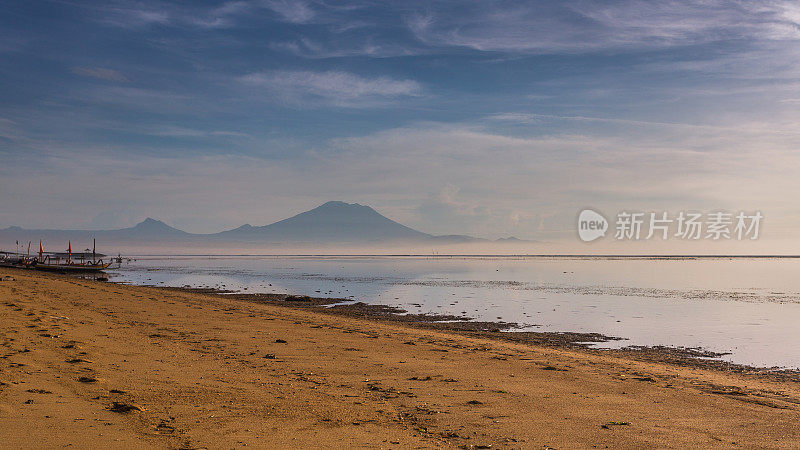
337, 221
147, 228
331, 222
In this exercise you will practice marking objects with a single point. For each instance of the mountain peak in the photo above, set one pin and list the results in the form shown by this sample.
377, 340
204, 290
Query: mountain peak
150, 222
335, 204
150, 226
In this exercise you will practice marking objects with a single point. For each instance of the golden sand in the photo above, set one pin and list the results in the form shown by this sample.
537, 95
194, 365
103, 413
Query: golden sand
93, 364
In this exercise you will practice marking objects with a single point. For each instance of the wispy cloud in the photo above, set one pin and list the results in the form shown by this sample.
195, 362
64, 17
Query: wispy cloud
305, 47
527, 118
294, 11
133, 15
8, 131
183, 132
331, 87
580, 26
223, 16
139, 15
142, 99
101, 73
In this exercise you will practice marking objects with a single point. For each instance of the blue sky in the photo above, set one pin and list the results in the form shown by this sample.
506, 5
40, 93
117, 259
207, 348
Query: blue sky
490, 118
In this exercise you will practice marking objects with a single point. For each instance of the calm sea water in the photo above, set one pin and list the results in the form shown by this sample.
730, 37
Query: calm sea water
747, 307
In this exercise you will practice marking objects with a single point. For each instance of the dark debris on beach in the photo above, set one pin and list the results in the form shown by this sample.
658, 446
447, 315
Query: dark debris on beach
684, 357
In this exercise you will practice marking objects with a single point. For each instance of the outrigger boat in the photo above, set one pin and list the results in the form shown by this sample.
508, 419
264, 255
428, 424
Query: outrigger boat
9, 259
54, 263
17, 259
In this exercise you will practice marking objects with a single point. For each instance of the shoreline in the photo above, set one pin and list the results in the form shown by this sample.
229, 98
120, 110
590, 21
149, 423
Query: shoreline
744, 310
93, 363
504, 331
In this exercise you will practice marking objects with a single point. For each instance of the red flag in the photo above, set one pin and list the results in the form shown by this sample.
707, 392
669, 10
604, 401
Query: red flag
41, 247
70, 248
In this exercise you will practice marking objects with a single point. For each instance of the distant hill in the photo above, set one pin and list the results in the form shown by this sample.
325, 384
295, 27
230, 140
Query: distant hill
331, 223
147, 230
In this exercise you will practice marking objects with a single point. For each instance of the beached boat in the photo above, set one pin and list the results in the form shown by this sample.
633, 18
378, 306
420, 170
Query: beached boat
57, 263
71, 267
8, 259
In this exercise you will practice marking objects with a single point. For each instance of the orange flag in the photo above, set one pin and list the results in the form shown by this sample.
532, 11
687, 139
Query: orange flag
70, 248
41, 247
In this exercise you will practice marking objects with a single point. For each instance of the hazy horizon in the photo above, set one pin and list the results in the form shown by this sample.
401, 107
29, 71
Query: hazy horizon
352, 229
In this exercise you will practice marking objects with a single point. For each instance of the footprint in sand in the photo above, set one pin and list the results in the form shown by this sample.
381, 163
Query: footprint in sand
78, 360
38, 391
123, 408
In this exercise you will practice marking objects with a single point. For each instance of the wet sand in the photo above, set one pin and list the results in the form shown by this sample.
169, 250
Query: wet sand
89, 364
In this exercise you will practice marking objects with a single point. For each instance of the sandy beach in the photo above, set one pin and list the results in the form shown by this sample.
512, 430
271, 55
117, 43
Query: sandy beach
92, 364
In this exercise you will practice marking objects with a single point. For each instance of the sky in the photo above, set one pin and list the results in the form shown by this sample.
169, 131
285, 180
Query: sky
488, 118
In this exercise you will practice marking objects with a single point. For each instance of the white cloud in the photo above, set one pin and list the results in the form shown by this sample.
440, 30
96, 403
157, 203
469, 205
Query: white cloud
294, 11
8, 130
136, 15
142, 98
100, 72
133, 16
336, 88
305, 47
583, 26
220, 17
529, 118
181, 132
